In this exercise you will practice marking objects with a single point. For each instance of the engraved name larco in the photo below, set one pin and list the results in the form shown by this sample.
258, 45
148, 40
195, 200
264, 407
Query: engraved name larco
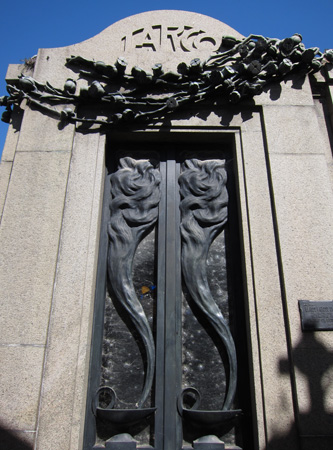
170, 38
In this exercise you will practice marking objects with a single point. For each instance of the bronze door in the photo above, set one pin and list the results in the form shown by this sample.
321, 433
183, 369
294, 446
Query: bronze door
169, 302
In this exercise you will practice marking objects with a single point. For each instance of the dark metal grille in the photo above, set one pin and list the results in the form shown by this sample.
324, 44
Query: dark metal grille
163, 368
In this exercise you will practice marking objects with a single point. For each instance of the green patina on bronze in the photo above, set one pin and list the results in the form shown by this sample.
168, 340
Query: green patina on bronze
240, 70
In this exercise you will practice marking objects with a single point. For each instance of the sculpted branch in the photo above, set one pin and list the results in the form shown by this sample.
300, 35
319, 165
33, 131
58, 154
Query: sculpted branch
239, 70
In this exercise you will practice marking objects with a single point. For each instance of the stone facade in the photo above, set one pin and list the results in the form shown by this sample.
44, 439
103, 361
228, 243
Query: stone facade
51, 196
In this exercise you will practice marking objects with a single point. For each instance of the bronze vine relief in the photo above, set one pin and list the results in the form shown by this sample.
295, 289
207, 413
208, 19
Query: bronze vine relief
239, 69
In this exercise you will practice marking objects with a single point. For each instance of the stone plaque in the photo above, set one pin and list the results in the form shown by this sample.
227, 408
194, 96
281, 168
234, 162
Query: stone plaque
316, 315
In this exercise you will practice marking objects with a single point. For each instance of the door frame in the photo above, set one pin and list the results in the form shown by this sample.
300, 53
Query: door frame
231, 137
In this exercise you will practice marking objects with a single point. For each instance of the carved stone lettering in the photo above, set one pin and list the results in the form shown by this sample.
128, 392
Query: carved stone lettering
158, 37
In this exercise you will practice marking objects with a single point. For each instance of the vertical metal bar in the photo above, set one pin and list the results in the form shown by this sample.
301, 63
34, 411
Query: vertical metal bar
160, 314
98, 323
178, 307
172, 421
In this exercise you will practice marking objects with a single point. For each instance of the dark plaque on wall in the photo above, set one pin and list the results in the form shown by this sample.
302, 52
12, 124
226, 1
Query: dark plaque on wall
316, 315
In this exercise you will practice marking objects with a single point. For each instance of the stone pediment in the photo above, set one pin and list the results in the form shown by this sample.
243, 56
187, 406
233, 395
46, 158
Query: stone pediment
144, 39
149, 36
142, 69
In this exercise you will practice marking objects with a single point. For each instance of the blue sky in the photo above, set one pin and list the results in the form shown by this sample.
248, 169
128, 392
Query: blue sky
29, 25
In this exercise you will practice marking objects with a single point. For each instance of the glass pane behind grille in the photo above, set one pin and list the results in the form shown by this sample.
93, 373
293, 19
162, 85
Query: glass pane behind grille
122, 360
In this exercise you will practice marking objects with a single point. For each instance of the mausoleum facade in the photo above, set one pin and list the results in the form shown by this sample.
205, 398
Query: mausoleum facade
166, 242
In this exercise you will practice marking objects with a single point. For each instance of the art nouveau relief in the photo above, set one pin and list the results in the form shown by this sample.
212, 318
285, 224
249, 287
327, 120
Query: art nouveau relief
125, 401
134, 211
203, 215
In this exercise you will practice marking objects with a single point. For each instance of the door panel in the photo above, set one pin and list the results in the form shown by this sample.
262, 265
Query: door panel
163, 363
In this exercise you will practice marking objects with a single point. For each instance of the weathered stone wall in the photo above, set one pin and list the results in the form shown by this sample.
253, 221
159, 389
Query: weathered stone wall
50, 198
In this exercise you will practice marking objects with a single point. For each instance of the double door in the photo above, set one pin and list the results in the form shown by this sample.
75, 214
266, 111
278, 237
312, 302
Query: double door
169, 341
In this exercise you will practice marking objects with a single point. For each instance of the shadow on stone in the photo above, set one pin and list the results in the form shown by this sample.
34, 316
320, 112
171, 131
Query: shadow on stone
313, 428
9, 441
17, 119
